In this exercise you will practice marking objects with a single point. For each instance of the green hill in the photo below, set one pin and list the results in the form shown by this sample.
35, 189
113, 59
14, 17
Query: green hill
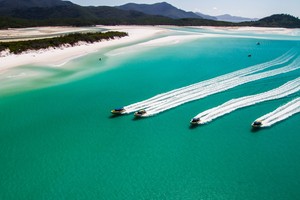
162, 9
29, 13
279, 20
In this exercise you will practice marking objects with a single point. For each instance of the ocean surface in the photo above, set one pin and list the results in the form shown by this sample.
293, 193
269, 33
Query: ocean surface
58, 139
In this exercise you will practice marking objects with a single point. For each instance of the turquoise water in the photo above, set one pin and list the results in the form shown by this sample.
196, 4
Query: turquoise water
61, 142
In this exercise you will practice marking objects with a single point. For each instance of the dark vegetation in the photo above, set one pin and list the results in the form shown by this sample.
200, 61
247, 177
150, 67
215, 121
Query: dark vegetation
31, 13
280, 20
133, 18
70, 39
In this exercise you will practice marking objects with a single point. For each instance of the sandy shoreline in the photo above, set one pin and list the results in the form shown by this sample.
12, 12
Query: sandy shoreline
59, 56
15, 34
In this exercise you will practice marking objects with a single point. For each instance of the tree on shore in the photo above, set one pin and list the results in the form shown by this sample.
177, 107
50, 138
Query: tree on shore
70, 39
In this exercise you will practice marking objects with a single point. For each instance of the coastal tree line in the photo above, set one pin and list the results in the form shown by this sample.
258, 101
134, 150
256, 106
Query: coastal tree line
110, 16
69, 39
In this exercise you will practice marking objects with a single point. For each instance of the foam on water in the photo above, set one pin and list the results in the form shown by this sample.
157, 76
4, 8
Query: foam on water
234, 104
281, 113
203, 89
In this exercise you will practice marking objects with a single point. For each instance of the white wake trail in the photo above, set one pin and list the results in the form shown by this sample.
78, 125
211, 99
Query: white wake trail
281, 113
160, 98
234, 104
216, 88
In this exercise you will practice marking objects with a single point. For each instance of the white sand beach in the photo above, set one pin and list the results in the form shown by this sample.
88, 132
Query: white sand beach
59, 56
15, 34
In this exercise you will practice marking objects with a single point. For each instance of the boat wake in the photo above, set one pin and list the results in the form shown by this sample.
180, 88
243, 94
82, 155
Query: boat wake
234, 104
280, 114
171, 99
216, 88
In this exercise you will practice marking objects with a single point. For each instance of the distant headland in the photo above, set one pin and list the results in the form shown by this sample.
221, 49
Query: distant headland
64, 13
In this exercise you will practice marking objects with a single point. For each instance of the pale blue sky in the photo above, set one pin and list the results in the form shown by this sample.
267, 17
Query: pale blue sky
245, 8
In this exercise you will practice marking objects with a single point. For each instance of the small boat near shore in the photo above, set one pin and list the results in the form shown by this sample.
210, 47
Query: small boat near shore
140, 113
195, 121
118, 111
256, 124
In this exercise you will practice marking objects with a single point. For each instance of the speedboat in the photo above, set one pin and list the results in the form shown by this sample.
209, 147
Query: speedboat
257, 124
118, 111
195, 121
140, 113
